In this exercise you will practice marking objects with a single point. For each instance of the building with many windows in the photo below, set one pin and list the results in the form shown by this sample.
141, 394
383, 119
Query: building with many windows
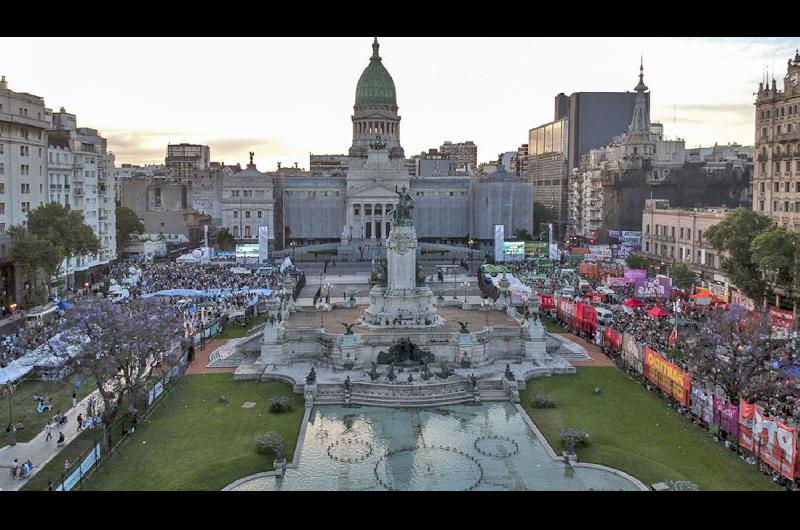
776, 183
673, 235
184, 160
24, 122
82, 176
461, 153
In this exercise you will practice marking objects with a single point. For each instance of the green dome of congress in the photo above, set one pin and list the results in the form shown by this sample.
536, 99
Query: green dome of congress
375, 86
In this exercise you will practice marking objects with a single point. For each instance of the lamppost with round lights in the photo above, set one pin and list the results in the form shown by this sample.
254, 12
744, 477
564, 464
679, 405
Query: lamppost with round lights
471, 244
486, 306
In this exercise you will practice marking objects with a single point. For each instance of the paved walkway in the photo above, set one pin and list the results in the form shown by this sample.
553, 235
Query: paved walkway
200, 362
37, 450
598, 357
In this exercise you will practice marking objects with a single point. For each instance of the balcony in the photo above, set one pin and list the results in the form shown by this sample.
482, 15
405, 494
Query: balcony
788, 136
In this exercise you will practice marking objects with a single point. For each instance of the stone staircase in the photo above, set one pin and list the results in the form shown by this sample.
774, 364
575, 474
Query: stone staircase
233, 360
403, 396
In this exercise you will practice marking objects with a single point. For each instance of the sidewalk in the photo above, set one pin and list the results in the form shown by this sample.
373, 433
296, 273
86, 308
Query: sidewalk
37, 450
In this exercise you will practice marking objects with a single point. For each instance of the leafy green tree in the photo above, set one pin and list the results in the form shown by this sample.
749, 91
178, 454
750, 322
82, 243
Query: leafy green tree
683, 277
34, 256
522, 234
224, 239
542, 214
735, 235
63, 229
635, 261
127, 223
775, 251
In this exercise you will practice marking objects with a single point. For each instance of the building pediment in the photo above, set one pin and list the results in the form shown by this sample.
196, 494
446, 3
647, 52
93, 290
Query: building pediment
371, 190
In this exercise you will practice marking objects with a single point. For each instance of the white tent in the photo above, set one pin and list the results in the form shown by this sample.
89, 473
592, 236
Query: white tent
286, 264
187, 258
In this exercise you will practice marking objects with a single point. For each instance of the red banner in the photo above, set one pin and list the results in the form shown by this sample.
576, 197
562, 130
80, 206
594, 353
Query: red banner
770, 440
613, 339
781, 318
546, 302
596, 298
667, 376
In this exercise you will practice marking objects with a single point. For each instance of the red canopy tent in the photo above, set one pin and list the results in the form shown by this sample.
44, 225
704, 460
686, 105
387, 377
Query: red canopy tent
633, 302
657, 312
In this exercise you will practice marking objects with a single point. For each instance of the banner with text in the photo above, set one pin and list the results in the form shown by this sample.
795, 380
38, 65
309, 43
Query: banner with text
770, 440
667, 376
660, 287
726, 415
632, 352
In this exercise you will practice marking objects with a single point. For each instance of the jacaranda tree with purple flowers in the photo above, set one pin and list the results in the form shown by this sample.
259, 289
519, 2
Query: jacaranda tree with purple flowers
125, 344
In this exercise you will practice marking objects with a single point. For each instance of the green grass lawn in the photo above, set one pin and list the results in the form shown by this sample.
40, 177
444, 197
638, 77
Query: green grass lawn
192, 442
636, 431
24, 407
235, 330
554, 327
55, 468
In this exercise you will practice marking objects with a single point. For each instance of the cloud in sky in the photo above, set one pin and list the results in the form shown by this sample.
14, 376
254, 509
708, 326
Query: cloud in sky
286, 97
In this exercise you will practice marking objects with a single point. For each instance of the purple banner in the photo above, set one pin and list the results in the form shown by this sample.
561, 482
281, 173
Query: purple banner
631, 275
654, 288
727, 416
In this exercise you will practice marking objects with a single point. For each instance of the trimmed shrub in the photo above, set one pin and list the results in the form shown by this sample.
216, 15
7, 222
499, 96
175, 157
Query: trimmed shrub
539, 401
280, 405
267, 444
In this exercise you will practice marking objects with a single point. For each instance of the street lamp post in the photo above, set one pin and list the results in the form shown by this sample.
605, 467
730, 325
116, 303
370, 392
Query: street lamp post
293, 244
471, 244
9, 391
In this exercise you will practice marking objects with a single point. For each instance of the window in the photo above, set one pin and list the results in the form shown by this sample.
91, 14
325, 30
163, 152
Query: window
762, 187
235, 214
2, 208
2, 168
797, 185
26, 206
673, 232
368, 209
786, 186
761, 205
3, 231
785, 206
776, 186
26, 188
247, 215
699, 235
681, 233
356, 210
259, 214
710, 260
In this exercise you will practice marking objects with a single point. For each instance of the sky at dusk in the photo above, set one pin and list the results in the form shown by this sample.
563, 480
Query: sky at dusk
286, 97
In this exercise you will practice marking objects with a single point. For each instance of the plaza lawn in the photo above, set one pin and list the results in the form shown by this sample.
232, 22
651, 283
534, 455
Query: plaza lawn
78, 447
234, 330
24, 407
554, 327
635, 431
192, 442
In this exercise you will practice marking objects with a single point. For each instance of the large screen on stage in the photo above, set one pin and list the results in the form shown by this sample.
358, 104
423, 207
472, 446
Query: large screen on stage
248, 251
514, 248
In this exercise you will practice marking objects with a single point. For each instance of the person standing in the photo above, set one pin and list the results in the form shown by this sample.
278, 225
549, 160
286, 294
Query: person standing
48, 429
60, 441
14, 467
74, 399
80, 422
